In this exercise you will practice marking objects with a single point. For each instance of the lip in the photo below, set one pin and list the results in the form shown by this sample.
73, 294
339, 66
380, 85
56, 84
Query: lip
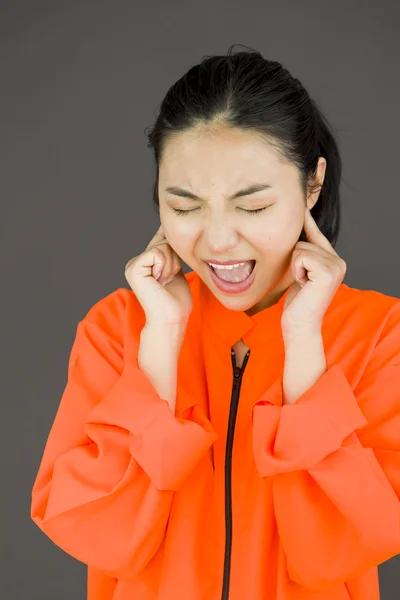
232, 288
228, 262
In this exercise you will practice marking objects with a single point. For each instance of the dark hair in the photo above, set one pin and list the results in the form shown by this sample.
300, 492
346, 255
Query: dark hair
246, 91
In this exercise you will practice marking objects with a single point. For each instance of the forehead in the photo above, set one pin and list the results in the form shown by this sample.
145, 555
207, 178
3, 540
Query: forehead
207, 154
209, 159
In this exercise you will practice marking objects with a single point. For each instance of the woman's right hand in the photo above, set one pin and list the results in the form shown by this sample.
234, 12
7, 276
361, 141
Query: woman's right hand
157, 279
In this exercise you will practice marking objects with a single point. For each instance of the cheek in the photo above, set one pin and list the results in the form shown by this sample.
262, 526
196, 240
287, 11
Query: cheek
173, 229
180, 239
276, 238
290, 227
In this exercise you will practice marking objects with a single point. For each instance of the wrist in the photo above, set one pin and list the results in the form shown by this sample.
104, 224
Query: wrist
171, 333
299, 333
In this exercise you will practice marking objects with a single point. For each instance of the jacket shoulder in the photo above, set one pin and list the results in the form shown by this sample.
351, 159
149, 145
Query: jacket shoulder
109, 313
121, 317
371, 317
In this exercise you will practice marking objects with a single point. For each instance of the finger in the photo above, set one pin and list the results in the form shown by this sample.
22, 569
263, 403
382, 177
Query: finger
154, 263
310, 247
176, 263
167, 252
311, 266
128, 264
174, 267
158, 237
148, 264
315, 235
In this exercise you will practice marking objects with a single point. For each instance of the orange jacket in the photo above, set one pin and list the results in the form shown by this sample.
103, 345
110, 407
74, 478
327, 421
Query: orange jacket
303, 505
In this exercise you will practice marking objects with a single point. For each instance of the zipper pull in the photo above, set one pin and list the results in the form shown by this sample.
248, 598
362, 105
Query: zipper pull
236, 375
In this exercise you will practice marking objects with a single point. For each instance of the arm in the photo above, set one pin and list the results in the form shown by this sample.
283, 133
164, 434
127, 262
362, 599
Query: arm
113, 458
334, 455
305, 362
163, 344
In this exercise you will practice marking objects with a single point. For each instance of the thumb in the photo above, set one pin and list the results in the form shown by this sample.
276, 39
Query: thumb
158, 265
157, 268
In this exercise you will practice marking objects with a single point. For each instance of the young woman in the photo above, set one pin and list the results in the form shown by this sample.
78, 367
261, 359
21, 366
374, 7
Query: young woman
232, 433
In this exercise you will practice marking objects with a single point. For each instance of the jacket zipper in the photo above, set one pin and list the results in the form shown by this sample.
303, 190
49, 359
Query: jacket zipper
237, 381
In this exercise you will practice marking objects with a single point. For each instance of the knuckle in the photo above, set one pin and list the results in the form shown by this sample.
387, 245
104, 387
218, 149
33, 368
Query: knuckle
341, 265
158, 251
129, 263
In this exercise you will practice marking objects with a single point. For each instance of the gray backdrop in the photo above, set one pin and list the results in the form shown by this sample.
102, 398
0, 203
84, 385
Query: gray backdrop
80, 81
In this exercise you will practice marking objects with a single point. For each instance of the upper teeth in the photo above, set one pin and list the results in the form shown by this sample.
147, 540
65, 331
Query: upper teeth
226, 266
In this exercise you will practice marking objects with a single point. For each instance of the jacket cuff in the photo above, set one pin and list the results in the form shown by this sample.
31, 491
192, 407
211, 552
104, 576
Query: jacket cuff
298, 436
165, 446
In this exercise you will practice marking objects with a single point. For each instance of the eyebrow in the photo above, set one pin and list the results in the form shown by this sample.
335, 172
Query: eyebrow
252, 189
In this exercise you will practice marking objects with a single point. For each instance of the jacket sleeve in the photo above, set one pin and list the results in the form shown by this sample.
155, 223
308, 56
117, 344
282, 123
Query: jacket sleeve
113, 459
334, 456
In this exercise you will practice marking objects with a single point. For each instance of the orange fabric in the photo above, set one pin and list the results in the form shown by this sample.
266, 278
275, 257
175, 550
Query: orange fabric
138, 493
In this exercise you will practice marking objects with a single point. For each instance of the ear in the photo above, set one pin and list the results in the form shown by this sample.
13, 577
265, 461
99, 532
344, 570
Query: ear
316, 183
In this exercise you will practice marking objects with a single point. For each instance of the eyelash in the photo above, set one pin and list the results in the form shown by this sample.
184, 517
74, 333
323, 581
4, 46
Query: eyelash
250, 212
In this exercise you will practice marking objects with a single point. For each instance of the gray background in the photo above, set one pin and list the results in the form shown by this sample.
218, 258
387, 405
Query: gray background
80, 81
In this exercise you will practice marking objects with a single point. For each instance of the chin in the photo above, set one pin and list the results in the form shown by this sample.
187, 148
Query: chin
240, 302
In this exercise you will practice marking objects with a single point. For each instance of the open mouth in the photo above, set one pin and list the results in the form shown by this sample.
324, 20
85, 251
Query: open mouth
234, 274
236, 280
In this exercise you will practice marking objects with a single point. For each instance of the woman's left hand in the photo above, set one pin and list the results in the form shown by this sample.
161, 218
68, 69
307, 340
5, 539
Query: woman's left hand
318, 271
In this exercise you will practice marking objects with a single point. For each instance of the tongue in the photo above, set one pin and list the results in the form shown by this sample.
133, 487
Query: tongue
237, 274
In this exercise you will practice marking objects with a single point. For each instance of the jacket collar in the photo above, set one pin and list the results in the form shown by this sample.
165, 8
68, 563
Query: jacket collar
216, 329
262, 328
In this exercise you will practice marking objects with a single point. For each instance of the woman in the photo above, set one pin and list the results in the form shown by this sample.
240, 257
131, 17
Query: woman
232, 433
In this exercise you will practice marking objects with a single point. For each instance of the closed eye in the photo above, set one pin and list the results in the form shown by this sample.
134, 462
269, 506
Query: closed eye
179, 211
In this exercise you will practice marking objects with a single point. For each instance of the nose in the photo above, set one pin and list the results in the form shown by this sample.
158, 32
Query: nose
220, 236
